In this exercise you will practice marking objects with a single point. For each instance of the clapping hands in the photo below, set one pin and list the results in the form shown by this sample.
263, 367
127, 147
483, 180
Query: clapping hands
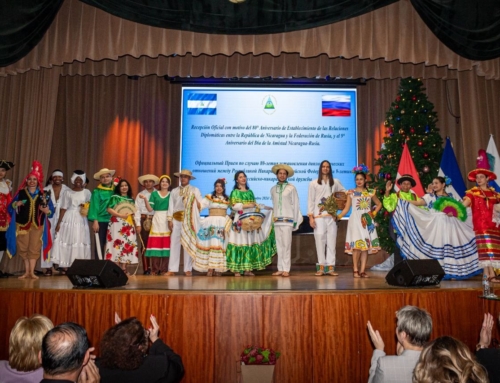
377, 340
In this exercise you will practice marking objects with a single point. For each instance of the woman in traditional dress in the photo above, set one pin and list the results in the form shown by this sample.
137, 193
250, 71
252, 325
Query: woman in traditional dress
5, 199
427, 233
361, 238
121, 244
248, 250
158, 248
482, 200
72, 228
206, 244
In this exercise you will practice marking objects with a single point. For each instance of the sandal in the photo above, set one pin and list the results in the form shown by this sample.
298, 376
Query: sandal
285, 274
249, 274
237, 274
277, 273
210, 272
364, 275
356, 274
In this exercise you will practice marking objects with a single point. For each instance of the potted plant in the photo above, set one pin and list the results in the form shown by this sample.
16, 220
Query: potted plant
257, 364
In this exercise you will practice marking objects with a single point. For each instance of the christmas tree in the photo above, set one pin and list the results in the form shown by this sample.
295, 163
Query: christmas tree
411, 119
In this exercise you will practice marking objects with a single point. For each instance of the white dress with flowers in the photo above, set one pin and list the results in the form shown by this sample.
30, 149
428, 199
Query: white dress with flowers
121, 244
361, 232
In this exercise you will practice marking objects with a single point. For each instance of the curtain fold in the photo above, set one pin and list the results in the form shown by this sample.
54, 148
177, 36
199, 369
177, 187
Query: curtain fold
469, 28
22, 26
394, 33
243, 18
27, 119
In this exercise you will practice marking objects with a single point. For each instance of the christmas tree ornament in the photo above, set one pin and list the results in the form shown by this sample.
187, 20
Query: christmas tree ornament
381, 175
388, 176
426, 155
420, 143
412, 130
401, 131
403, 111
398, 98
396, 106
426, 169
398, 118
414, 98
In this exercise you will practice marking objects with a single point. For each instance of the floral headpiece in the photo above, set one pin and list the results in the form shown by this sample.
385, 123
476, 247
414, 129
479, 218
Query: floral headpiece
447, 180
362, 168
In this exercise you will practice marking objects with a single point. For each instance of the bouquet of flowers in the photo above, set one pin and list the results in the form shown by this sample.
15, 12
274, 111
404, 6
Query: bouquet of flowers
259, 355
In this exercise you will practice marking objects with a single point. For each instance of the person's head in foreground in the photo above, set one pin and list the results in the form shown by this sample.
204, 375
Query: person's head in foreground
65, 351
25, 342
414, 326
448, 360
124, 345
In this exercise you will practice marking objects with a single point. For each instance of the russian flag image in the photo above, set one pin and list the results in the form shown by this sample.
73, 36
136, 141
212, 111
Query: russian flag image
336, 105
202, 103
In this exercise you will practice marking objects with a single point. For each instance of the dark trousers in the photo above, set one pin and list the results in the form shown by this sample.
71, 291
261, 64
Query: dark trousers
158, 264
144, 238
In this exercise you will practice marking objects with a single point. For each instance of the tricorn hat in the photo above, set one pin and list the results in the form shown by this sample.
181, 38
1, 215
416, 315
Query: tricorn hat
407, 177
482, 167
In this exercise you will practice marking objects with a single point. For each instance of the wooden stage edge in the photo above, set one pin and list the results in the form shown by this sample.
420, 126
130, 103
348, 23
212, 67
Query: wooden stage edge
318, 323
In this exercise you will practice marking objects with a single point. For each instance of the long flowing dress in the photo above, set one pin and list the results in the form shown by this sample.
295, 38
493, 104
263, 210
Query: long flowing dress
73, 239
207, 236
487, 233
361, 231
159, 236
425, 233
249, 250
121, 238
5, 200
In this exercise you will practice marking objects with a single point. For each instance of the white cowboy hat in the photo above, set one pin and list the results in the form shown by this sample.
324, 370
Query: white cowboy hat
185, 172
103, 171
151, 177
288, 169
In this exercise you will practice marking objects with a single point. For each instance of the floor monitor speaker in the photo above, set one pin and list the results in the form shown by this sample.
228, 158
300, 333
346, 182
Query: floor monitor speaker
96, 274
419, 272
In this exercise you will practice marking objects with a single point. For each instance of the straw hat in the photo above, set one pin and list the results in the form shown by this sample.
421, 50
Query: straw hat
151, 177
288, 169
407, 177
103, 171
185, 172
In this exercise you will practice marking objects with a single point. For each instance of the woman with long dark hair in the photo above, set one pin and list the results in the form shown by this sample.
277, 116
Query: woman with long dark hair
121, 244
248, 250
361, 238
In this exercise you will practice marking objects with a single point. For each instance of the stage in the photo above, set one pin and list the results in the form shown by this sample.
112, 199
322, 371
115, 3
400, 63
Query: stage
318, 323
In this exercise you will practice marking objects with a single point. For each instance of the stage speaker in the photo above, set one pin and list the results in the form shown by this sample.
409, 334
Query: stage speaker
419, 272
96, 274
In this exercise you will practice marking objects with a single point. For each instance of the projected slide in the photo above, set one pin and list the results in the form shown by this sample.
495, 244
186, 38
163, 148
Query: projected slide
229, 129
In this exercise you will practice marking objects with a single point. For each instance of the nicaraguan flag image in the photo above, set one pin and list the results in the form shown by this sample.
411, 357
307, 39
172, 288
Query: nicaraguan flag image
202, 103
449, 168
336, 105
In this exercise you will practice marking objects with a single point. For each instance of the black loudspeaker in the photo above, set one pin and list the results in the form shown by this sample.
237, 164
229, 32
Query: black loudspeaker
96, 274
419, 272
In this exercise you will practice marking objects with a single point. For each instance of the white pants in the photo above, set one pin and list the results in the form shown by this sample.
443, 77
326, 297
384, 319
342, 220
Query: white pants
325, 234
284, 246
175, 250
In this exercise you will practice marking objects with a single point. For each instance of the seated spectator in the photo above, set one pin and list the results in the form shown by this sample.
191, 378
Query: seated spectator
25, 342
413, 331
488, 357
125, 356
65, 356
446, 359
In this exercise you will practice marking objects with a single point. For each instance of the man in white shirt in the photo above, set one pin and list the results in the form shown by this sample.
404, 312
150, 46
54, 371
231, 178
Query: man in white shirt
56, 189
175, 216
287, 216
149, 181
324, 225
413, 331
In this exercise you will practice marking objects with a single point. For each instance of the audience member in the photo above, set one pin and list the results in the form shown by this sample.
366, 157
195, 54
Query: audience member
25, 342
446, 359
413, 331
65, 356
488, 357
125, 357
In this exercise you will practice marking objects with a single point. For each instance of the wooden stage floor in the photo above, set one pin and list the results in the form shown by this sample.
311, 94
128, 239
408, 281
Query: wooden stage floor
318, 323
302, 280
